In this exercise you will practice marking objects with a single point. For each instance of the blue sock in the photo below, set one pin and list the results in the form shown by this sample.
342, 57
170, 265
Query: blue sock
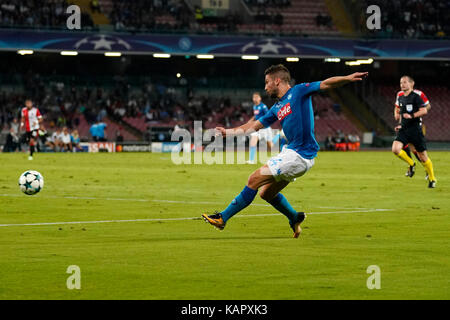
281, 204
252, 153
240, 202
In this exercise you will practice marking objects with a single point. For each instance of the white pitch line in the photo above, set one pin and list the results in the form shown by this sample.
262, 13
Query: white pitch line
203, 202
173, 219
163, 201
359, 208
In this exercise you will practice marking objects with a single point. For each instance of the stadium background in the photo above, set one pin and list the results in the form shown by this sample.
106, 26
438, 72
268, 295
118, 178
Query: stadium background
141, 98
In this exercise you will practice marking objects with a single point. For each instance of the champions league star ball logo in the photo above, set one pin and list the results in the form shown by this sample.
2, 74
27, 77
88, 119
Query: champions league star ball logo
269, 46
102, 42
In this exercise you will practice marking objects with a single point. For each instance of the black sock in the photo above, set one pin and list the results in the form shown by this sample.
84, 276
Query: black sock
31, 150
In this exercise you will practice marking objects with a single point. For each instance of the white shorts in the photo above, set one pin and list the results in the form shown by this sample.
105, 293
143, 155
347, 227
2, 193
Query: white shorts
263, 134
288, 165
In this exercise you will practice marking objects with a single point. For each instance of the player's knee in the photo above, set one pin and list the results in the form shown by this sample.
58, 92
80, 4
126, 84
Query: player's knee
266, 194
396, 149
253, 181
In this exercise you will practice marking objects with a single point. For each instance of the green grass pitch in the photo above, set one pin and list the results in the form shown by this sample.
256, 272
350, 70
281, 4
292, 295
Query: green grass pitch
253, 258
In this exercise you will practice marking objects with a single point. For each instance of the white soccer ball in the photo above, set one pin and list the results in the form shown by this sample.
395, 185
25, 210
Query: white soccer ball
31, 182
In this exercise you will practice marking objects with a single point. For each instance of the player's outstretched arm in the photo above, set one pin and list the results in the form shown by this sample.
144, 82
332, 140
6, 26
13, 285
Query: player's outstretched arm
252, 124
335, 82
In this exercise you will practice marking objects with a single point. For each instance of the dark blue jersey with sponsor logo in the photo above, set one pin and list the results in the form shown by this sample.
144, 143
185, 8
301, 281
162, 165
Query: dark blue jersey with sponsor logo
294, 111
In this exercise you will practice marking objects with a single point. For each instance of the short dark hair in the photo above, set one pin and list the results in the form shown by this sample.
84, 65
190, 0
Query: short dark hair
257, 93
409, 78
280, 71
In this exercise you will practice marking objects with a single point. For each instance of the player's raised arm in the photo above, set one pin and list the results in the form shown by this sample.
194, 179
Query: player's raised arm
252, 124
335, 82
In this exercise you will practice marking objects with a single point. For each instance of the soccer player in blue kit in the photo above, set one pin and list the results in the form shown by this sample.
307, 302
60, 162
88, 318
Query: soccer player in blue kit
259, 111
294, 110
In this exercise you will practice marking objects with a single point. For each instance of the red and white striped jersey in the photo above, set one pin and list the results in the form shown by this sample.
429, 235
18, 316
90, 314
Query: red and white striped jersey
31, 118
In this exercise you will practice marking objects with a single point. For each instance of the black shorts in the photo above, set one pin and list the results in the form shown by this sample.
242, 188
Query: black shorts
413, 135
31, 134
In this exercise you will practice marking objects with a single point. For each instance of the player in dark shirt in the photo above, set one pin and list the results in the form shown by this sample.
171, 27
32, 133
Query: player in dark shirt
410, 106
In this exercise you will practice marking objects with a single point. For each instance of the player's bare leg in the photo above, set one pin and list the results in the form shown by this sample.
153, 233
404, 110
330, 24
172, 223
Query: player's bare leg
260, 177
269, 191
397, 146
397, 149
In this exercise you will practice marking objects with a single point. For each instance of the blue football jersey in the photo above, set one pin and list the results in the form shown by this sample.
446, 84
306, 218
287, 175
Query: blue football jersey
260, 111
295, 112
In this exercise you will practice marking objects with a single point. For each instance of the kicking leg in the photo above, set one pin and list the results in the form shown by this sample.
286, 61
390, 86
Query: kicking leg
256, 180
271, 193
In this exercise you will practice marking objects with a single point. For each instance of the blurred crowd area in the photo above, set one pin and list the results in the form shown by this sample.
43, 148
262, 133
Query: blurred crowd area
339, 141
58, 140
38, 13
127, 108
142, 15
82, 107
62, 103
411, 18
268, 3
400, 18
171, 16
